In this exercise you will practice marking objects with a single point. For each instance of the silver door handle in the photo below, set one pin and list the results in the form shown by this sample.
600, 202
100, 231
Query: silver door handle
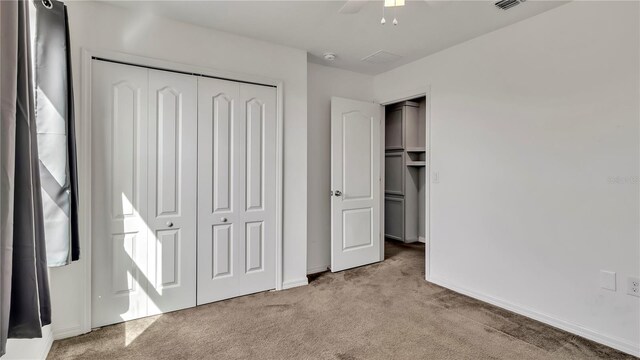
169, 224
224, 219
338, 193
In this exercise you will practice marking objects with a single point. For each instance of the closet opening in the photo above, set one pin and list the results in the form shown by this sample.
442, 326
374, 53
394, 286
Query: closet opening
166, 229
405, 176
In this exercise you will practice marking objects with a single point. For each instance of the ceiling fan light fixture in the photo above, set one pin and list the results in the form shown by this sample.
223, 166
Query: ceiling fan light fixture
392, 3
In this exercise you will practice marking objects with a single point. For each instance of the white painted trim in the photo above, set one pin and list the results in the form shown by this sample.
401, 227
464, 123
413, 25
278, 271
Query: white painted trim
427, 187
421, 239
295, 283
47, 345
35, 348
616, 343
84, 155
68, 332
84, 175
279, 185
383, 134
318, 269
48, 342
405, 95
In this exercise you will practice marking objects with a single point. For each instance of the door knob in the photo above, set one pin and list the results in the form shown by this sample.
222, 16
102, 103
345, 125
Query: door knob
224, 219
338, 193
169, 224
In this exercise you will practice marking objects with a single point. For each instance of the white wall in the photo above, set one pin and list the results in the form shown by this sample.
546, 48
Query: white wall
104, 27
535, 136
324, 82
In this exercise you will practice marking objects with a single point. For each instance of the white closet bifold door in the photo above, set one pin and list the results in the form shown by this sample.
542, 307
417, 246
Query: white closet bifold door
144, 125
183, 191
236, 182
172, 168
119, 193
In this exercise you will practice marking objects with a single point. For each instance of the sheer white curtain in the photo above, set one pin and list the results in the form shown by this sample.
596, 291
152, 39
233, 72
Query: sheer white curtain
56, 133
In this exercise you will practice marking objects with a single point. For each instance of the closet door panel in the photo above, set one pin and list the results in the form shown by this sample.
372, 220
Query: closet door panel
119, 196
258, 215
222, 116
255, 148
236, 184
254, 234
219, 187
221, 252
167, 120
172, 191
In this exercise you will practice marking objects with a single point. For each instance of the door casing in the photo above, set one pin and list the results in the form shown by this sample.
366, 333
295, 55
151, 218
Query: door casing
85, 156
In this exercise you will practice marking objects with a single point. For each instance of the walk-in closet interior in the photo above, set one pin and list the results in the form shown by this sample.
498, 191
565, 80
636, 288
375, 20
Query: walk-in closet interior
405, 169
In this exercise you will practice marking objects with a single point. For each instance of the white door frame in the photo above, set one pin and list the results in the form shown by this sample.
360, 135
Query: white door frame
84, 155
408, 95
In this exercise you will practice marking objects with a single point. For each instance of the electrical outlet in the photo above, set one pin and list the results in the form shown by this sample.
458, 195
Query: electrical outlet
633, 286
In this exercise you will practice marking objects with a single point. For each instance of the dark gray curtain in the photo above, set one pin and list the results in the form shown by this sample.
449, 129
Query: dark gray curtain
56, 132
24, 292
8, 91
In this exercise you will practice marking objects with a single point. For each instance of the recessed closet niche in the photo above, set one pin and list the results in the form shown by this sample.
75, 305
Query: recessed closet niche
405, 166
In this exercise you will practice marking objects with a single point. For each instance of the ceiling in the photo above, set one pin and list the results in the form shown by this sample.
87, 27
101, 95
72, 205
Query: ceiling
425, 27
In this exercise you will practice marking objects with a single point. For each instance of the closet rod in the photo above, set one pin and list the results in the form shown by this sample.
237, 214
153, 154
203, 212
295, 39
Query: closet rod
179, 72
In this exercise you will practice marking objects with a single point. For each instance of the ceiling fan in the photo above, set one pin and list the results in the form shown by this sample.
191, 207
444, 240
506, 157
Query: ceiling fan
354, 6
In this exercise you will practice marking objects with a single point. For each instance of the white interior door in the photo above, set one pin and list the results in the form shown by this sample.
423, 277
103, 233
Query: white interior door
355, 183
144, 125
119, 192
172, 183
236, 189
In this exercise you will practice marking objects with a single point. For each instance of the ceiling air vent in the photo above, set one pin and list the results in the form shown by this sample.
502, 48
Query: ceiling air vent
508, 4
381, 57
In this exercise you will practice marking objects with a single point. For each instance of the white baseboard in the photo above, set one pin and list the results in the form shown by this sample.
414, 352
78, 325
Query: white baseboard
37, 348
422, 240
72, 331
295, 283
616, 343
47, 345
317, 269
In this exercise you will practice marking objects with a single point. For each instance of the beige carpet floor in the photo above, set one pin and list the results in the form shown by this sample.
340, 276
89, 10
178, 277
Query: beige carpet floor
381, 311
